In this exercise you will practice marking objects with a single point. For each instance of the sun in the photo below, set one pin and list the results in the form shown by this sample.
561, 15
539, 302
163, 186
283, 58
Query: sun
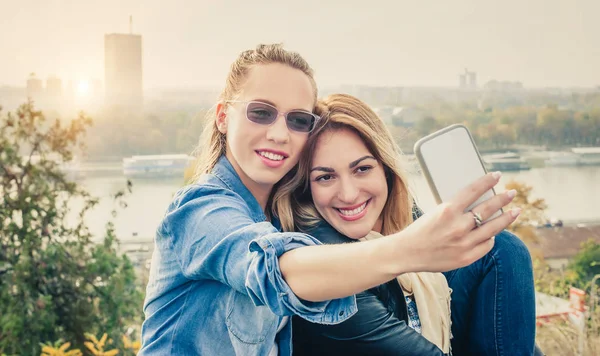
83, 88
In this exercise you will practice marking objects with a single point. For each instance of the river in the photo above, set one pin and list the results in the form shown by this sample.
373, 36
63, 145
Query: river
571, 193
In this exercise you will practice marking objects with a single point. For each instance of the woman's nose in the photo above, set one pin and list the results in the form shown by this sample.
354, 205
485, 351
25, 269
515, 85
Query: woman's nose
348, 192
278, 132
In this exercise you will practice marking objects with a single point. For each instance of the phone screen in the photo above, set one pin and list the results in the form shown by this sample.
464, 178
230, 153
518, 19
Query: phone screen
450, 161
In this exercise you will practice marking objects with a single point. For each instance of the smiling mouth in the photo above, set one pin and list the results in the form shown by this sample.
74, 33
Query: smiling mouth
353, 212
272, 156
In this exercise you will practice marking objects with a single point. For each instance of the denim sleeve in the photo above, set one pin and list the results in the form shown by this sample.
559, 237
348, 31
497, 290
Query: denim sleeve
214, 237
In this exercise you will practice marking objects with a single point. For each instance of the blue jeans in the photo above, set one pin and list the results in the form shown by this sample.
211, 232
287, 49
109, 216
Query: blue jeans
493, 302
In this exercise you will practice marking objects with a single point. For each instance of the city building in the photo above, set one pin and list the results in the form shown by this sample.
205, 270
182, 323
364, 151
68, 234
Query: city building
468, 80
35, 87
123, 70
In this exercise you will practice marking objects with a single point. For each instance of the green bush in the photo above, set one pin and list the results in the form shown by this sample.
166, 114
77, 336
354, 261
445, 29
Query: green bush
55, 282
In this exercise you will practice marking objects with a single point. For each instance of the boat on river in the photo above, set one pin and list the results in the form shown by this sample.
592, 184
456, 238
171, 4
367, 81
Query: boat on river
509, 161
578, 156
156, 166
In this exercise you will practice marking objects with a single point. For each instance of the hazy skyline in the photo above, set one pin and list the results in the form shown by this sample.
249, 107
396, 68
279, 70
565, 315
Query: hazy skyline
404, 43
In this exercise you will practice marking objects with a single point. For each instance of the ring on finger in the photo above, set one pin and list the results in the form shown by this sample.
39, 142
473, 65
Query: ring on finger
478, 219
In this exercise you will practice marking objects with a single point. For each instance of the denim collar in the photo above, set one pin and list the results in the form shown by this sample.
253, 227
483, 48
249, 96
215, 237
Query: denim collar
227, 174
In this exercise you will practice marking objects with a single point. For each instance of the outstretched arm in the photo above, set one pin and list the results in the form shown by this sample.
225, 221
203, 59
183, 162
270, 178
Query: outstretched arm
441, 240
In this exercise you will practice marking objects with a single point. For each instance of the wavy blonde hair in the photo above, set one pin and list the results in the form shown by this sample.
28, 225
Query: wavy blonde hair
212, 143
292, 202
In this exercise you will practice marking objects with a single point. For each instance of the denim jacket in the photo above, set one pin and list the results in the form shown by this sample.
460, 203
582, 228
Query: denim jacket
215, 286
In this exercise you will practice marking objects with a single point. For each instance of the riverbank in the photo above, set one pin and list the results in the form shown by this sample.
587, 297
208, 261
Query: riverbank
557, 244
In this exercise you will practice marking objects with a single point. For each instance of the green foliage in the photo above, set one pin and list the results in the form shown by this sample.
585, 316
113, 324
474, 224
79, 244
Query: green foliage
553, 282
579, 272
586, 264
496, 119
499, 120
55, 282
532, 213
582, 268
116, 134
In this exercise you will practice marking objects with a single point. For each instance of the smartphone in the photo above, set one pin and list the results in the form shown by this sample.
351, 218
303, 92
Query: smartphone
450, 161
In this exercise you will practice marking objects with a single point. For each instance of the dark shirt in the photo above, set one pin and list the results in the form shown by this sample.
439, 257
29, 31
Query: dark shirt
378, 328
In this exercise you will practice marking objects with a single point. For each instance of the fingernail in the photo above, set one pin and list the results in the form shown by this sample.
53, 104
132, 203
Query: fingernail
511, 193
497, 175
515, 212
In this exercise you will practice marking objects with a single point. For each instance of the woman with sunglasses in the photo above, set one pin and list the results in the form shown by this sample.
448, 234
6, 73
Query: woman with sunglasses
224, 280
351, 186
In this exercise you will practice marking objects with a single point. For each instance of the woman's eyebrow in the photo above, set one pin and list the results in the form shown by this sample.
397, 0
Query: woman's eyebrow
351, 165
269, 102
265, 101
322, 169
355, 163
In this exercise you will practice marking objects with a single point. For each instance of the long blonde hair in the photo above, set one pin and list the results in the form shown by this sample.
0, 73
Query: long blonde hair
212, 143
292, 202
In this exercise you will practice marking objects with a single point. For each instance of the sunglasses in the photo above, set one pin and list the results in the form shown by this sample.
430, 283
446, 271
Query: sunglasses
265, 114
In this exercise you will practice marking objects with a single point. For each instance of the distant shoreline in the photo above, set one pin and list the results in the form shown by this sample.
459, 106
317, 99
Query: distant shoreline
139, 250
140, 241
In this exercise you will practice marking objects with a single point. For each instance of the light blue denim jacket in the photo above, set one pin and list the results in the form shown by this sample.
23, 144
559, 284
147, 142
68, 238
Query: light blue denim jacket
215, 286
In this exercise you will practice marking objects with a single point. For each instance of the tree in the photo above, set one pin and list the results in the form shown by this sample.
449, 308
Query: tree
55, 282
586, 264
554, 125
532, 213
117, 134
426, 126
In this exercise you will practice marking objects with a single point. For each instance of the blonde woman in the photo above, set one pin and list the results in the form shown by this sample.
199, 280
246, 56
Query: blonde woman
224, 280
350, 186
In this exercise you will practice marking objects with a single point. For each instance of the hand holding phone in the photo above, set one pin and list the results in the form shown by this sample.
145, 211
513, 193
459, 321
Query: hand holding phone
447, 237
450, 161
461, 228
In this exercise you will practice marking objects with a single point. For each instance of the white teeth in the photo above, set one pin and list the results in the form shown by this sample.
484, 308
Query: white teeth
271, 156
353, 211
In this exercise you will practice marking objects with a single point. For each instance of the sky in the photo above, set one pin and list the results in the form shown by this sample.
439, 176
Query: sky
190, 44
